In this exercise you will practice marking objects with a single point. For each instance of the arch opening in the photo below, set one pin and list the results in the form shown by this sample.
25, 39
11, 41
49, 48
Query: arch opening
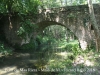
57, 35
79, 31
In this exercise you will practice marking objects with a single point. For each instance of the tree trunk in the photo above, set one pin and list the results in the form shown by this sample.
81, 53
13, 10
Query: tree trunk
94, 23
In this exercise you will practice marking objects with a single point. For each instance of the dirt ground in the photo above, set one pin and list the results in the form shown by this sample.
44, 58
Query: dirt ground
22, 64
28, 64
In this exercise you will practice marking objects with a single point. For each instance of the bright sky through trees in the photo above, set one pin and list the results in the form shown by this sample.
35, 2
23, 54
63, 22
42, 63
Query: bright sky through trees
60, 3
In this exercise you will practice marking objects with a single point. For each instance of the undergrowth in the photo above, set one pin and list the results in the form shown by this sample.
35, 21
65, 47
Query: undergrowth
5, 51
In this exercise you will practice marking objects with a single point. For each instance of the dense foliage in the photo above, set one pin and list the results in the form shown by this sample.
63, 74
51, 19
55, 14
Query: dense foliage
26, 10
20, 6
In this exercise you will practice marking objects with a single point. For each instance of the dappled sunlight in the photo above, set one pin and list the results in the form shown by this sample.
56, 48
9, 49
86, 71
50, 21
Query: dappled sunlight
83, 44
61, 60
87, 59
64, 54
11, 70
73, 42
57, 19
61, 47
89, 63
81, 60
51, 60
54, 50
66, 44
38, 40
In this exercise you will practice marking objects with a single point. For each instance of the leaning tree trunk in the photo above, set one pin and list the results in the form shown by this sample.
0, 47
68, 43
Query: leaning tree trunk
95, 25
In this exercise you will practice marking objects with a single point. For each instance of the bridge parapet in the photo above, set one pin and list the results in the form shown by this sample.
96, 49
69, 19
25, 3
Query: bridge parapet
70, 11
62, 12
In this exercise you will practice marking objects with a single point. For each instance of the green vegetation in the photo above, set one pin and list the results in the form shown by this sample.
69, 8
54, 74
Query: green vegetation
20, 6
55, 47
67, 56
60, 3
27, 27
5, 51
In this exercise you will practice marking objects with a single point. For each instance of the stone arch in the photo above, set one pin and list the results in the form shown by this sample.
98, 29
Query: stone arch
79, 31
75, 18
43, 24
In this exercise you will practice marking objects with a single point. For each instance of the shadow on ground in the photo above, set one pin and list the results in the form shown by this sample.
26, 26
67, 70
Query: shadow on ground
23, 64
36, 64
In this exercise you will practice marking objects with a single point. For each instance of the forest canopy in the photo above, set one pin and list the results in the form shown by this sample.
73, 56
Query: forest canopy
31, 6
21, 6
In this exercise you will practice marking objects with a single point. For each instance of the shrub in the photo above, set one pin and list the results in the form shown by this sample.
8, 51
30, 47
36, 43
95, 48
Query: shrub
76, 50
5, 50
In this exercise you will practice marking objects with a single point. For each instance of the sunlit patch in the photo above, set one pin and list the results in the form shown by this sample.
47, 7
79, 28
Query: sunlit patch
62, 53
61, 47
89, 63
81, 60
8, 70
51, 60
57, 19
83, 44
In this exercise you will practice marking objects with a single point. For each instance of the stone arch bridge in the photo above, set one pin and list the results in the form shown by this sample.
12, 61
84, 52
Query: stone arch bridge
75, 18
